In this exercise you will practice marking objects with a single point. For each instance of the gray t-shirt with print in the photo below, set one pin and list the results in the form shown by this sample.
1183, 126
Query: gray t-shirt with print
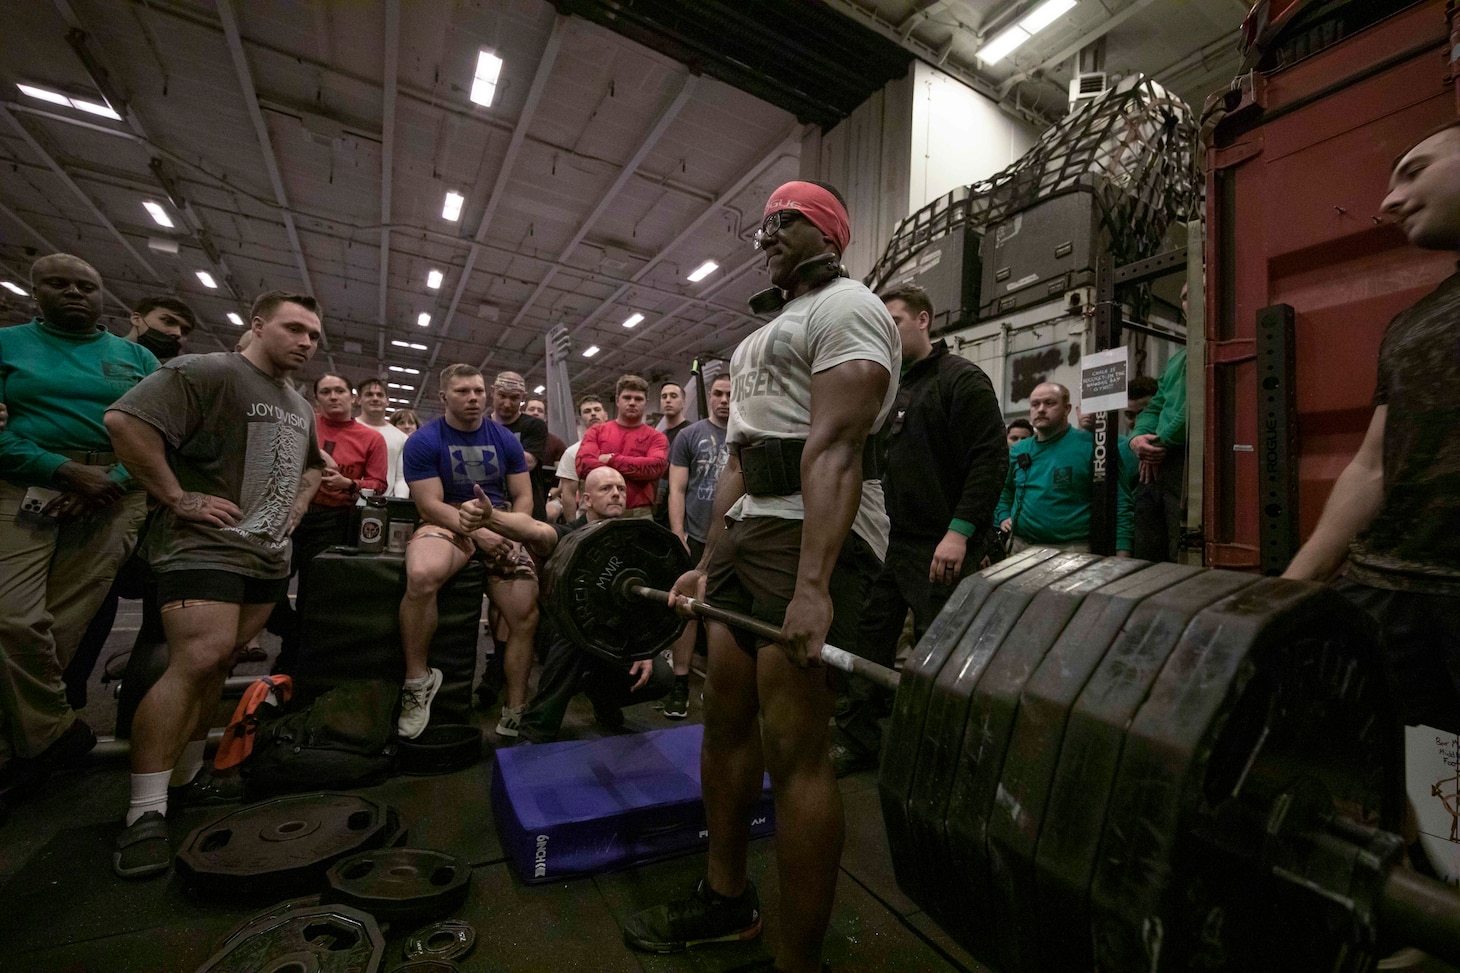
700, 449
770, 396
233, 432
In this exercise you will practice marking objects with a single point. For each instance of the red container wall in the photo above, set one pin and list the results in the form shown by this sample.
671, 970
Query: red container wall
1296, 175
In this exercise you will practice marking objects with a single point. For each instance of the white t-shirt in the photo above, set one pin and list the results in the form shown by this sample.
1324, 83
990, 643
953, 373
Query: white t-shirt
770, 376
568, 463
395, 441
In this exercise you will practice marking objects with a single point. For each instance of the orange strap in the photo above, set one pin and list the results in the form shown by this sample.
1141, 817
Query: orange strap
238, 737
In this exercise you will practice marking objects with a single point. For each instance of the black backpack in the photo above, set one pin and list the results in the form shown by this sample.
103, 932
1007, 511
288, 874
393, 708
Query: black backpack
345, 738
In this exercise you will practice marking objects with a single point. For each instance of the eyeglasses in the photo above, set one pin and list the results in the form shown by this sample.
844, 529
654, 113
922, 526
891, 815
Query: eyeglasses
774, 223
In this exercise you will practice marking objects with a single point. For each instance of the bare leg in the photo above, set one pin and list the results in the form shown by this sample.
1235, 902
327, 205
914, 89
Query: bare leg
251, 620
810, 828
684, 649
516, 601
430, 562
731, 766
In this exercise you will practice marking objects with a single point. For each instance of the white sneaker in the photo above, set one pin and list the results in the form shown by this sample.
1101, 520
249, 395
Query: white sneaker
510, 725
415, 705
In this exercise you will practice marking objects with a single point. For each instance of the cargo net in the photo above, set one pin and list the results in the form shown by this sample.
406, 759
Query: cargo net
1134, 146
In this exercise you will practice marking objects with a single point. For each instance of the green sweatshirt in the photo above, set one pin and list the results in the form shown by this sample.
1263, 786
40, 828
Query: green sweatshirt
56, 385
1165, 414
1051, 493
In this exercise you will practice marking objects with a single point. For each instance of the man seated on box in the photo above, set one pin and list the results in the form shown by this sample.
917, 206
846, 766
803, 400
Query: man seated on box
568, 669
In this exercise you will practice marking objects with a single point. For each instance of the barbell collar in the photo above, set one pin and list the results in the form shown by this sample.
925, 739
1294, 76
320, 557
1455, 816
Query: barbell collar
835, 657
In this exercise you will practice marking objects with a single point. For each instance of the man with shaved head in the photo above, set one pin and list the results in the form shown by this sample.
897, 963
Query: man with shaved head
69, 513
1392, 522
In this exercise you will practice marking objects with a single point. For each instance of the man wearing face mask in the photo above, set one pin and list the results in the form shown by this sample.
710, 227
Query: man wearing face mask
69, 513
161, 325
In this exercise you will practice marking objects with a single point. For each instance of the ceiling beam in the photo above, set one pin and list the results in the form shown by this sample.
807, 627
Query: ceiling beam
499, 187
646, 145
387, 152
1088, 35
78, 192
40, 238
266, 147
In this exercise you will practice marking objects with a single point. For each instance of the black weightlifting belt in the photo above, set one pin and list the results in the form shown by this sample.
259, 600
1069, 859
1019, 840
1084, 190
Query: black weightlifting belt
772, 467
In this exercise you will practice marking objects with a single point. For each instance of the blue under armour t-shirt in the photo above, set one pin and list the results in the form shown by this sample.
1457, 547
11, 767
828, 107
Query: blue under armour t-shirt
460, 459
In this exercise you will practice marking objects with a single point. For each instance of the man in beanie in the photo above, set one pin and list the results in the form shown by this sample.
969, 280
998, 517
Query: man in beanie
806, 534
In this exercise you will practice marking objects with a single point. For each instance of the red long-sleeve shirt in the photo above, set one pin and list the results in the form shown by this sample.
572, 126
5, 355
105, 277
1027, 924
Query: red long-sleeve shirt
640, 453
358, 451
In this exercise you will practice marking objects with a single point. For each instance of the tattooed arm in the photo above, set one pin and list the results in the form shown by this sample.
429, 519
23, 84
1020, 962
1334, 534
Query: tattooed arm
140, 448
308, 486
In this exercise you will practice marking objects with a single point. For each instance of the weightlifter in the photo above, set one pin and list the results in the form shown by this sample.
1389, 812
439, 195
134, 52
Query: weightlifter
806, 534
228, 449
568, 670
1394, 513
445, 461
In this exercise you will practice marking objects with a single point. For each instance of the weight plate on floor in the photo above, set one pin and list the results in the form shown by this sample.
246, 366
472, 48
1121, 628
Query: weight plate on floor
938, 758
1277, 684
281, 844
581, 588
1033, 753
1090, 754
399, 883
992, 704
318, 939
441, 749
449, 939
904, 735
426, 966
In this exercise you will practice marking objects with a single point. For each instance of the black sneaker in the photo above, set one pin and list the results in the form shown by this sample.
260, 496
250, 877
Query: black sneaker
847, 760
205, 790
702, 917
676, 706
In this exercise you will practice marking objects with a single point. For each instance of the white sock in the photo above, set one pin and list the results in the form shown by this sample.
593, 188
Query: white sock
188, 764
149, 793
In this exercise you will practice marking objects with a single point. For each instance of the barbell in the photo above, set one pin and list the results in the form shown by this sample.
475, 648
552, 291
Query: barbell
1102, 763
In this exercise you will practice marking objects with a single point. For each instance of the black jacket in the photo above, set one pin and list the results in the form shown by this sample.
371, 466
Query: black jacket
947, 455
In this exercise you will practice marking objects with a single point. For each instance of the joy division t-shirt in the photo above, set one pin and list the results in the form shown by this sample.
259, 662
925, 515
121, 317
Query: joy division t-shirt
770, 395
233, 432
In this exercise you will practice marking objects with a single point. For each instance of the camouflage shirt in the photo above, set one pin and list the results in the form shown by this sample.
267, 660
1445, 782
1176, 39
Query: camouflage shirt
1414, 542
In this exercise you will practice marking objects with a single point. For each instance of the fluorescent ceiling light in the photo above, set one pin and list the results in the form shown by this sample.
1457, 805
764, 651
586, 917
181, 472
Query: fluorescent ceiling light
702, 271
13, 288
539, 390
81, 104
452, 210
408, 344
207, 279
96, 109
401, 401
396, 385
590, 351
402, 368
423, 319
235, 319
633, 319
1003, 45
158, 214
433, 280
1045, 14
484, 82
44, 94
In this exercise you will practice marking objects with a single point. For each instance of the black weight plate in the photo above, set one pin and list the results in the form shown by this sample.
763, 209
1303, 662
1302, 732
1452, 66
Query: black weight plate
992, 705
399, 883
1274, 684
928, 808
449, 939
1033, 752
282, 844
319, 939
396, 831
904, 735
441, 749
1090, 754
426, 966
578, 588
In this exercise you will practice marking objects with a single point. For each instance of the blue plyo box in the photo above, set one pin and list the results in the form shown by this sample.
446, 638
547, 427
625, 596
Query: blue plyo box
583, 807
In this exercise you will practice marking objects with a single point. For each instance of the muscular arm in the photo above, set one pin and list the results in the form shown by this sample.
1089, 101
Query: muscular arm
141, 448
1357, 495
844, 404
309, 483
568, 497
539, 537
678, 481
430, 500
519, 487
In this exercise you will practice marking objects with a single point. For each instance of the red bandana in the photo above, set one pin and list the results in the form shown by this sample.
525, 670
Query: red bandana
818, 206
